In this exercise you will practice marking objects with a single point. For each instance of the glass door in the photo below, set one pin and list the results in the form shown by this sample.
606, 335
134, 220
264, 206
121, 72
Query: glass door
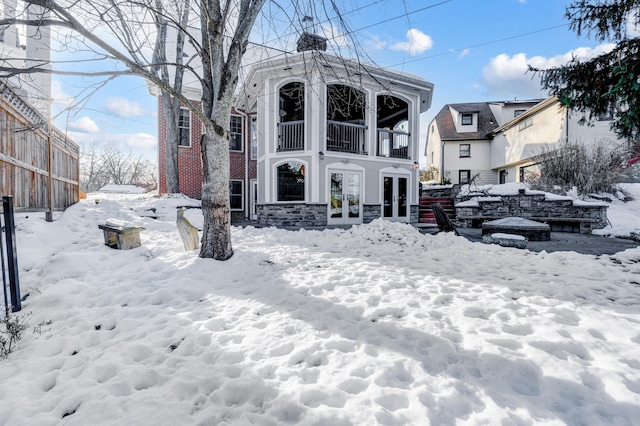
345, 205
395, 197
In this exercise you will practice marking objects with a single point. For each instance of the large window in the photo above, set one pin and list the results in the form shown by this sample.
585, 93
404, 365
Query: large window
464, 176
465, 150
184, 128
290, 181
236, 194
235, 137
467, 119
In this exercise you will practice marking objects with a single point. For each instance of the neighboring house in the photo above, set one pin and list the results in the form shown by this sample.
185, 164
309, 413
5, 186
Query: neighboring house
30, 147
337, 141
498, 142
24, 46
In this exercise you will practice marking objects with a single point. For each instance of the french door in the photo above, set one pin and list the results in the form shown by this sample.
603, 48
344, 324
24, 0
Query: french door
395, 197
345, 205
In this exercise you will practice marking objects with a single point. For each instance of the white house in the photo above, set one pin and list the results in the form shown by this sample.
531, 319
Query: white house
498, 142
23, 46
337, 140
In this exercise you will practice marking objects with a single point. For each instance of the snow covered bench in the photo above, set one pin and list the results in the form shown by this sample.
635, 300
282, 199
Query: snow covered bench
506, 240
120, 234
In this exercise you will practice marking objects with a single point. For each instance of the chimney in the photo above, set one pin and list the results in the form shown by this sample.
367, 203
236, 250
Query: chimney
308, 41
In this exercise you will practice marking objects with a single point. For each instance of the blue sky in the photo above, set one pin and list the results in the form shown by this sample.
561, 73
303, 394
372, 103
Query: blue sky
471, 50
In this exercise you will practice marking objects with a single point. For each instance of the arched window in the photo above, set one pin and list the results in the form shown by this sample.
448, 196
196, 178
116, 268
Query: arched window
290, 181
346, 129
291, 117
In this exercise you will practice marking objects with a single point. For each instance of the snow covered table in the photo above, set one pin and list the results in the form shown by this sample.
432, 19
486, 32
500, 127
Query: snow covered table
120, 234
506, 240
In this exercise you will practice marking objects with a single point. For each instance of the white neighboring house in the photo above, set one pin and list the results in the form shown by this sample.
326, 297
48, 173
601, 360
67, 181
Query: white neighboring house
337, 141
23, 46
497, 142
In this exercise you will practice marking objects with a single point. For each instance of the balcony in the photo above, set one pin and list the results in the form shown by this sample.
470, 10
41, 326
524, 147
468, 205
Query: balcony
393, 144
291, 136
346, 137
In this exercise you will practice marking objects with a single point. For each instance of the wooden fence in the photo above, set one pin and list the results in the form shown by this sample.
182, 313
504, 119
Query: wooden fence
25, 139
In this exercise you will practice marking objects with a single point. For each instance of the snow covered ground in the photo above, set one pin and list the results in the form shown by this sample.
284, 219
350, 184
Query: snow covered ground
377, 324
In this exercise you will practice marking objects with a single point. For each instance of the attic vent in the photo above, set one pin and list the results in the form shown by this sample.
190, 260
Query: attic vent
308, 41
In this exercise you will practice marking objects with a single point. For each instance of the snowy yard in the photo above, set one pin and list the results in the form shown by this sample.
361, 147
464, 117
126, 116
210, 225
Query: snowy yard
377, 324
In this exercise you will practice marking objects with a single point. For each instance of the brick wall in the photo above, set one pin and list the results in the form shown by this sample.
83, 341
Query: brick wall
190, 162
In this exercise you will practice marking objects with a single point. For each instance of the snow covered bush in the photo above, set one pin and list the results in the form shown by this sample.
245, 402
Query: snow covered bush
11, 329
591, 169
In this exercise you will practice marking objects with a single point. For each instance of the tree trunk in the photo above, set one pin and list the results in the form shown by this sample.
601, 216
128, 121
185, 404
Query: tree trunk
171, 144
216, 208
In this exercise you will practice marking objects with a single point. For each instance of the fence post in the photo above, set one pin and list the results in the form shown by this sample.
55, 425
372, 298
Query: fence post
12, 254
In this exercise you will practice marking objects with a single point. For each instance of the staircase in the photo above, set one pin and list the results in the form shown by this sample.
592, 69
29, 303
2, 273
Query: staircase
426, 217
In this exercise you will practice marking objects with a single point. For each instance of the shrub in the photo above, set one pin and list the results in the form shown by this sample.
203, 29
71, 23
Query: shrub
11, 329
589, 169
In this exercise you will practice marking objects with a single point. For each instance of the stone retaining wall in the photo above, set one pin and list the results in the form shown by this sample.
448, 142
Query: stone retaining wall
562, 214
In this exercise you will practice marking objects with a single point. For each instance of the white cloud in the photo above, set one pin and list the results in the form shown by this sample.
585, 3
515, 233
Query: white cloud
464, 53
61, 99
334, 36
84, 125
141, 140
417, 42
506, 76
124, 107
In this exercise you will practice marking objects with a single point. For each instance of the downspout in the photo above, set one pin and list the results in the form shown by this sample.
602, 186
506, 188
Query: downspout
247, 152
442, 162
566, 130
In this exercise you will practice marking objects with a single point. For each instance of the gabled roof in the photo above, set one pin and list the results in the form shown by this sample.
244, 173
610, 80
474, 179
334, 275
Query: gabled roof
486, 121
542, 105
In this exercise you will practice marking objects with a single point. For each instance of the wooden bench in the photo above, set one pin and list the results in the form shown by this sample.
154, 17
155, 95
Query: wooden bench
121, 235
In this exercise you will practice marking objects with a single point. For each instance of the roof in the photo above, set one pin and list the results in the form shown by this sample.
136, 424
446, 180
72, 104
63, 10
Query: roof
329, 65
122, 189
486, 121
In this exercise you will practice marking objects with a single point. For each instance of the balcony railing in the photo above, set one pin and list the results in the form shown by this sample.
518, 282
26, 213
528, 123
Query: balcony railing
393, 144
346, 137
291, 136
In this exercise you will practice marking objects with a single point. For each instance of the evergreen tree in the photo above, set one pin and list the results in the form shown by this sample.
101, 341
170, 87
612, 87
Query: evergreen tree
608, 84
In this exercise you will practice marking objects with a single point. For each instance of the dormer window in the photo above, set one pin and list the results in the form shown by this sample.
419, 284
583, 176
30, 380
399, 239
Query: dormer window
467, 119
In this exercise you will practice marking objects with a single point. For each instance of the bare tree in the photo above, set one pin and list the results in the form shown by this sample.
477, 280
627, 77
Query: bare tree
92, 176
171, 104
110, 165
132, 34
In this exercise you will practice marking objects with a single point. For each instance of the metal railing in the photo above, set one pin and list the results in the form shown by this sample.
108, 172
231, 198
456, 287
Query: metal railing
291, 136
393, 144
346, 137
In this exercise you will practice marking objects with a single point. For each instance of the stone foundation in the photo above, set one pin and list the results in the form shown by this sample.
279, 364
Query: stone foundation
292, 214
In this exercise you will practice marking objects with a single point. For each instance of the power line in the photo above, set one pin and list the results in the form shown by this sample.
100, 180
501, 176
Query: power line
350, 32
481, 44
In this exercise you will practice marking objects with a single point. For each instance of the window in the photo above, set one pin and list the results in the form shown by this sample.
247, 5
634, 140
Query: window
254, 138
503, 176
518, 112
467, 119
235, 136
290, 181
526, 123
236, 194
465, 150
184, 128
464, 176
